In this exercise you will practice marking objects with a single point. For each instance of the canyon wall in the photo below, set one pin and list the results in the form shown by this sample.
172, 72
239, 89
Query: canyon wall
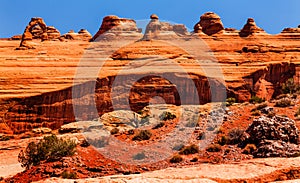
56, 108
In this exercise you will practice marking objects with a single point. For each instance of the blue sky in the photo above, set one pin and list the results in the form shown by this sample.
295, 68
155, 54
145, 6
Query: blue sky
65, 15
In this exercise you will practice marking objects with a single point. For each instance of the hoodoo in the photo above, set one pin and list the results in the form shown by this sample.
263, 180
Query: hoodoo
250, 28
210, 23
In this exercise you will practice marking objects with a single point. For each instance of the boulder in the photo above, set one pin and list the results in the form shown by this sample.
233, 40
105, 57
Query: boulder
210, 23
273, 137
42, 130
250, 28
113, 27
80, 126
154, 16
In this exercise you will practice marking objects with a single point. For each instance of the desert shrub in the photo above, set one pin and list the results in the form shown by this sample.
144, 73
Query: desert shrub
50, 148
271, 114
223, 140
214, 148
284, 102
178, 147
256, 100
261, 106
191, 124
195, 159
114, 131
176, 159
192, 149
249, 149
234, 136
142, 135
256, 113
85, 143
5, 138
139, 156
165, 116
290, 87
98, 142
68, 175
230, 101
159, 125
145, 119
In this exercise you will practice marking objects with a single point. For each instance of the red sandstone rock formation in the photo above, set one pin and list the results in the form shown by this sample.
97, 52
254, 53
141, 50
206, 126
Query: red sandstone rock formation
250, 67
291, 30
83, 35
37, 29
250, 28
163, 30
210, 23
31, 32
112, 26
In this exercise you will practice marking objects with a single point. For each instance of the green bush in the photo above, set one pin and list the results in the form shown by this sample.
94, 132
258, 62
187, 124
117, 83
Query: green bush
114, 131
142, 135
5, 138
68, 175
145, 120
165, 116
214, 148
192, 149
256, 113
290, 87
159, 125
261, 106
234, 136
284, 102
223, 140
256, 100
139, 156
176, 159
230, 101
50, 148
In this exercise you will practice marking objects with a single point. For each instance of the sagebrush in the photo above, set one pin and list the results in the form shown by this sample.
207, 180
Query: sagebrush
50, 148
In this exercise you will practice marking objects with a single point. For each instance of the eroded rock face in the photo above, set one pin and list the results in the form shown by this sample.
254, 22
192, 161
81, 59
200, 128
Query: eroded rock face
210, 23
163, 30
113, 27
274, 137
250, 28
57, 108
